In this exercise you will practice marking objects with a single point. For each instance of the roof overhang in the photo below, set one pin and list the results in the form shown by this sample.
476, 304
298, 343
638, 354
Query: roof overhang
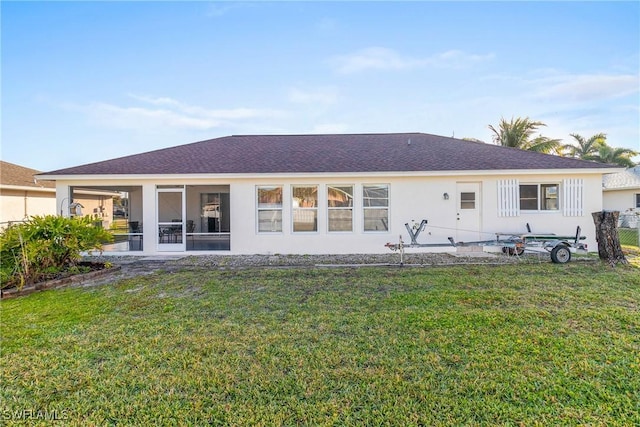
457, 173
630, 188
28, 188
52, 190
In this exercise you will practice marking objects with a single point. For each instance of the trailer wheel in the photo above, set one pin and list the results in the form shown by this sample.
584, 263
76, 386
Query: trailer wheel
513, 251
516, 251
560, 254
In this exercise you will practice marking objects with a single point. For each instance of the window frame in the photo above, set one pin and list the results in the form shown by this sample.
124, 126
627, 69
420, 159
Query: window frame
637, 195
303, 209
541, 200
465, 202
366, 208
349, 208
270, 208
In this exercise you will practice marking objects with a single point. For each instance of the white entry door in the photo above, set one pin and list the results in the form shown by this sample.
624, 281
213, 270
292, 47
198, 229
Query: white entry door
171, 214
468, 205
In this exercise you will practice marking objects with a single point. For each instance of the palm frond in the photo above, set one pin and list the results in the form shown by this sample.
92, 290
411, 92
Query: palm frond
585, 147
516, 133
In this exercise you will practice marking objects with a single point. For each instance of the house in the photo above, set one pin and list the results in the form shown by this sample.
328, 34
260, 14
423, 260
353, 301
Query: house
248, 194
23, 196
621, 192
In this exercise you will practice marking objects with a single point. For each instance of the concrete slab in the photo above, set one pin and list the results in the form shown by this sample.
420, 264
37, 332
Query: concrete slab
474, 255
159, 258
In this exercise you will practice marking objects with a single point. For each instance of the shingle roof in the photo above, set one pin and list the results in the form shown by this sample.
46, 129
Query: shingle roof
622, 180
247, 154
15, 175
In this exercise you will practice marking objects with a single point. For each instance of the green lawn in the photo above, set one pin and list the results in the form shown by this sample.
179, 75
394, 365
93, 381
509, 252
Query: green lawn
539, 344
628, 236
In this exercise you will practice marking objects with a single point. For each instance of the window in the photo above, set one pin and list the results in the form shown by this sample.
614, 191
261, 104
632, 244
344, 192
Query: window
304, 202
340, 207
468, 200
269, 209
549, 194
638, 200
375, 204
539, 197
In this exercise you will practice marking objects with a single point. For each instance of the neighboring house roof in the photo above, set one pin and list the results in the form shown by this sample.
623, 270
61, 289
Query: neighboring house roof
626, 180
12, 175
398, 152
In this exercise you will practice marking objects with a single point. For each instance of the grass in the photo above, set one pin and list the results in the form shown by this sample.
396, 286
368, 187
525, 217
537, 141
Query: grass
510, 345
628, 236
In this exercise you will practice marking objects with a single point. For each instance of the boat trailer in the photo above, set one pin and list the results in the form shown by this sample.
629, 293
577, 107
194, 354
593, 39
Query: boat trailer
559, 247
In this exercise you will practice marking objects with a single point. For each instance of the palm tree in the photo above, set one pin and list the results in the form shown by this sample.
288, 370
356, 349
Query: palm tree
519, 133
586, 148
614, 156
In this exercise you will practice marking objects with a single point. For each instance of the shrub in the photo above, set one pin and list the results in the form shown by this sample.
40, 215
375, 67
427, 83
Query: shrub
45, 246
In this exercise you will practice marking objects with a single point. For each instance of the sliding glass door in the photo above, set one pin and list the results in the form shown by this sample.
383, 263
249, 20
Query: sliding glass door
171, 219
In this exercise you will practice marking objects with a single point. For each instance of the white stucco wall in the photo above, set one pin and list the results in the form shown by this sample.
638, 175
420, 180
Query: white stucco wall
18, 205
549, 221
411, 197
620, 200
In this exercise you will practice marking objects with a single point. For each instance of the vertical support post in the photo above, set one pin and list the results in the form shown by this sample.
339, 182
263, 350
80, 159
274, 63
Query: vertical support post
149, 219
63, 199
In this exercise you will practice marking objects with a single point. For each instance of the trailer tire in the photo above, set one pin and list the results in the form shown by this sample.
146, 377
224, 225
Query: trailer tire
561, 254
517, 250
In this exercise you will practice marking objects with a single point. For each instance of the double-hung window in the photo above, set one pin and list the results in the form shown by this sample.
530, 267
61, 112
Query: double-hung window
304, 204
375, 205
638, 200
539, 197
340, 207
269, 209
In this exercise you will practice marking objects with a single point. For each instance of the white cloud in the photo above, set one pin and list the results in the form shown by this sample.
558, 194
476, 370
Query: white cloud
164, 112
588, 87
217, 9
218, 114
139, 118
154, 101
323, 95
376, 58
457, 59
380, 58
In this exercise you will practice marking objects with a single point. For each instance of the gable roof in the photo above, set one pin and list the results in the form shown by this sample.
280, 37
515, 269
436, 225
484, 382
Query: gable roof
20, 176
628, 179
397, 152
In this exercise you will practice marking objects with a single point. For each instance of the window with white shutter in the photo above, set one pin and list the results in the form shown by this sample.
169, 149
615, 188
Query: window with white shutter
508, 197
573, 197
539, 197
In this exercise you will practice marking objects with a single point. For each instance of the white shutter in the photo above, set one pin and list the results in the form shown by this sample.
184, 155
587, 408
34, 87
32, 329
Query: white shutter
573, 197
508, 197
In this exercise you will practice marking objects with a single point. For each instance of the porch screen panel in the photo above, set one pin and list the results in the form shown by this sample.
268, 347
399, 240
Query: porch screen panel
573, 197
508, 197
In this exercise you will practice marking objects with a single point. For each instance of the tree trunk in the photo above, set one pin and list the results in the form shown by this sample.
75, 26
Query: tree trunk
609, 248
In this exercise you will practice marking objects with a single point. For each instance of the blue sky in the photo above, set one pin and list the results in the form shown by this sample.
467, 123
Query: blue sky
89, 81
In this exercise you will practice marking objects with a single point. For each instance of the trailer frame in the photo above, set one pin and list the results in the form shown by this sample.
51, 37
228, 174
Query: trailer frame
559, 247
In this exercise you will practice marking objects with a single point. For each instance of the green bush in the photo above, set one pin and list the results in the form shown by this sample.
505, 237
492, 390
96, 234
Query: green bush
46, 246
